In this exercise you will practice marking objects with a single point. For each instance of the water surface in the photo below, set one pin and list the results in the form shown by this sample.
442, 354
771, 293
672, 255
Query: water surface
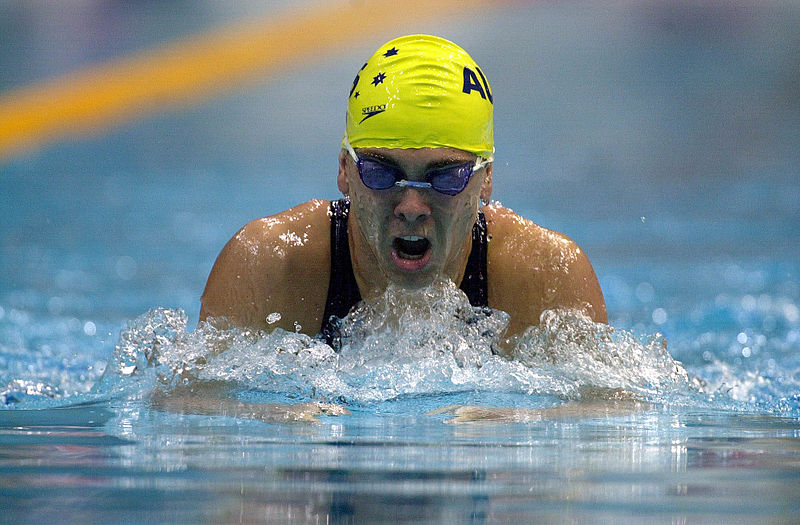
662, 137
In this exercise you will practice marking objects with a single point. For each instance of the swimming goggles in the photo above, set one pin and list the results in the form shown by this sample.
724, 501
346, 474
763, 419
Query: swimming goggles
450, 180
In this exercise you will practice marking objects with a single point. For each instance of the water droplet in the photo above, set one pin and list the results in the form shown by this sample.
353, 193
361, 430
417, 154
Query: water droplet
89, 328
749, 303
791, 312
125, 267
659, 316
273, 318
55, 305
645, 292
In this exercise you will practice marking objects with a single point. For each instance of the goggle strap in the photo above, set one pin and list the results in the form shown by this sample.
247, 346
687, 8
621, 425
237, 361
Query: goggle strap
480, 162
350, 150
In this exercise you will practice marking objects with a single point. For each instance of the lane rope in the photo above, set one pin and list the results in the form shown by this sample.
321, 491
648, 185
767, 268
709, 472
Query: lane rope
91, 100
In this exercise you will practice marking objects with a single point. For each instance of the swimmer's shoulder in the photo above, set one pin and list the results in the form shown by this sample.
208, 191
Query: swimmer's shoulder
279, 263
509, 231
532, 269
298, 229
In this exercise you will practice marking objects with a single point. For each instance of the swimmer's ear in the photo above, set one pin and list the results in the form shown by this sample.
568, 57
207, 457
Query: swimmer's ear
341, 179
486, 187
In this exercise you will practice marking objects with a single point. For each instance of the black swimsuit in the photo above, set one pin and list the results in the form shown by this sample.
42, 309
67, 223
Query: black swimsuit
343, 291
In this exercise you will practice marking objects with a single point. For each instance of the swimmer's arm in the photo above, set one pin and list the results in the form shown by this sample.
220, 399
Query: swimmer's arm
621, 405
232, 292
562, 281
533, 269
578, 287
278, 264
214, 399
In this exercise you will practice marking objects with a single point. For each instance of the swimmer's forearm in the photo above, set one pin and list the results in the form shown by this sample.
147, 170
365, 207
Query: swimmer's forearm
211, 401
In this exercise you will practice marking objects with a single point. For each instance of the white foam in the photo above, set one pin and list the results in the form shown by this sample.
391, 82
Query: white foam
426, 342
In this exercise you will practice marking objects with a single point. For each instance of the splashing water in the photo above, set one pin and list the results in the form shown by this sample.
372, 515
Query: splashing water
594, 355
425, 342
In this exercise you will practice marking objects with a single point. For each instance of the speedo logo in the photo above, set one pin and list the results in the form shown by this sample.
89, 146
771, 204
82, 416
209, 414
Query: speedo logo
371, 111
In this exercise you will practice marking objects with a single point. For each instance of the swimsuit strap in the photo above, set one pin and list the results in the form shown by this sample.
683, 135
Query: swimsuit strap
343, 291
476, 282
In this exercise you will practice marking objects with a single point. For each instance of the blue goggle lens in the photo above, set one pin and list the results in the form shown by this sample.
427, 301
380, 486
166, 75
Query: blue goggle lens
450, 180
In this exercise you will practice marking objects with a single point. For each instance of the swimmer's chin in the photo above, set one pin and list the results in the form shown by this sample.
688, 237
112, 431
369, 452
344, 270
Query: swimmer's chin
424, 286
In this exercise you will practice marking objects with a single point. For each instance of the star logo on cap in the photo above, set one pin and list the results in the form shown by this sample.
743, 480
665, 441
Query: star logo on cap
379, 78
390, 53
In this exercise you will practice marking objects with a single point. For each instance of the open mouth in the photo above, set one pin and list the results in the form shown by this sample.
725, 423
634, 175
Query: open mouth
411, 253
411, 247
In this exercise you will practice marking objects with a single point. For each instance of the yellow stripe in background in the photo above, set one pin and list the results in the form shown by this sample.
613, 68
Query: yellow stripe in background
95, 98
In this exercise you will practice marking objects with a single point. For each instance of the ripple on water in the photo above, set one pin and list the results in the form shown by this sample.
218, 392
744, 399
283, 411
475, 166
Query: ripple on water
430, 342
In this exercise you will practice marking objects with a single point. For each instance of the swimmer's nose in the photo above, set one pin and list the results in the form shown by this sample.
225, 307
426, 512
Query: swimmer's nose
412, 206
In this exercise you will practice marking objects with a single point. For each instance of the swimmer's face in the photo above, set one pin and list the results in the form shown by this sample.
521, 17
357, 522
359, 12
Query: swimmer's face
411, 236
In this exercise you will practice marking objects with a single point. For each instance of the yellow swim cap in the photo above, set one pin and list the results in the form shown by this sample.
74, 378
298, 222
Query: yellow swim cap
421, 91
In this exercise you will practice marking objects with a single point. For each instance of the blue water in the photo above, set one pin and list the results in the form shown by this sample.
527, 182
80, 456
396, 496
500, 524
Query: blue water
662, 137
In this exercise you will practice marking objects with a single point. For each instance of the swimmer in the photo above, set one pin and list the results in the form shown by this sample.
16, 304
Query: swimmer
415, 169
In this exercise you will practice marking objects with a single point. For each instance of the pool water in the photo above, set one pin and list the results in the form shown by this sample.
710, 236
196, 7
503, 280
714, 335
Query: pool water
662, 137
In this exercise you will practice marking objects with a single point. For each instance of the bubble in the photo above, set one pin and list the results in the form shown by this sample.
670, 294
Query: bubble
55, 305
659, 316
742, 338
125, 267
73, 324
764, 302
18, 317
749, 303
791, 312
645, 292
746, 351
89, 328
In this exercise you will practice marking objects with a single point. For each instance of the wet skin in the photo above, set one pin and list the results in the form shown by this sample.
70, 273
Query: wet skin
274, 272
281, 264
410, 236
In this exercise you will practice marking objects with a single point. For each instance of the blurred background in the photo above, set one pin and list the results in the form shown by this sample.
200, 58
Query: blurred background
662, 136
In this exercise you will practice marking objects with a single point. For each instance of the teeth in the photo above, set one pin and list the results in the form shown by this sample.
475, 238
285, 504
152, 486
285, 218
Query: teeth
412, 238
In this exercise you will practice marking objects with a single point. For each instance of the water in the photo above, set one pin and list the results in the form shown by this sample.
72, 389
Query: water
661, 137
585, 423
